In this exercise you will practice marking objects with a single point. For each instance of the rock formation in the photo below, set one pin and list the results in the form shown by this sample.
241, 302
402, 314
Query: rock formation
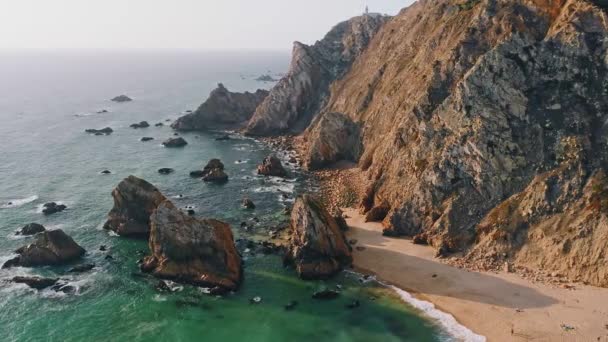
212, 172
466, 111
175, 142
271, 166
52, 247
134, 201
52, 208
37, 283
191, 250
223, 109
318, 247
293, 102
142, 124
332, 138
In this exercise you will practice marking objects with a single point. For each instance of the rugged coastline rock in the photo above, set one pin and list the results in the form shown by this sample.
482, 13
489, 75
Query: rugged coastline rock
51, 247
134, 201
122, 98
212, 172
272, 166
222, 109
297, 97
175, 142
37, 283
318, 248
191, 250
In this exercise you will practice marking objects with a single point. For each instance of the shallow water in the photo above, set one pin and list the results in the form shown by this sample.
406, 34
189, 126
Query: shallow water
48, 100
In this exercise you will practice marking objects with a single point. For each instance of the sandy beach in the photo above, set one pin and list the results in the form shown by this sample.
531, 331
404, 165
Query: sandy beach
501, 307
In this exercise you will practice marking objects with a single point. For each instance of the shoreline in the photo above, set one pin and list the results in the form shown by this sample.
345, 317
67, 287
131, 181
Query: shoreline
500, 306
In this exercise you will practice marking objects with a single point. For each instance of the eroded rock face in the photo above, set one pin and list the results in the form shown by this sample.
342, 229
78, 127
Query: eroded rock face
191, 250
318, 248
466, 113
272, 166
334, 137
53, 247
293, 102
222, 109
134, 201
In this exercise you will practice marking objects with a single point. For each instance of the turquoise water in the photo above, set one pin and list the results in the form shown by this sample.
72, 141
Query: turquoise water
48, 100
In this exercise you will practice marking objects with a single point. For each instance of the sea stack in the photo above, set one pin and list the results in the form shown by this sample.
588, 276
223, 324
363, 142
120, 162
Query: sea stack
134, 201
191, 250
317, 248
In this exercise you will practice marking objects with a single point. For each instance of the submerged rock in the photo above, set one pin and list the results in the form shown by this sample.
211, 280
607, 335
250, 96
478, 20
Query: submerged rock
317, 246
52, 247
175, 142
82, 268
165, 171
122, 98
196, 251
37, 283
326, 294
31, 229
222, 109
103, 131
248, 203
134, 201
271, 166
144, 139
52, 208
106, 172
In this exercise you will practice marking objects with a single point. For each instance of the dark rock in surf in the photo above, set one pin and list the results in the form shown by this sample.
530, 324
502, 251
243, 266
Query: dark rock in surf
271, 166
122, 98
165, 171
52, 208
37, 283
103, 131
175, 142
142, 124
53, 247
144, 139
31, 229
81, 268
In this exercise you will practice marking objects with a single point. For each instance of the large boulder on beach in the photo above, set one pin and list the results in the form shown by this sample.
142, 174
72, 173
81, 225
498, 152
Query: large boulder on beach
175, 142
223, 109
53, 247
31, 229
191, 250
271, 166
134, 201
317, 247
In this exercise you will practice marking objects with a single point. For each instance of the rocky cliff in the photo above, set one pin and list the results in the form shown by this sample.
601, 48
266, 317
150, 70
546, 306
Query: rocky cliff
483, 129
223, 109
300, 94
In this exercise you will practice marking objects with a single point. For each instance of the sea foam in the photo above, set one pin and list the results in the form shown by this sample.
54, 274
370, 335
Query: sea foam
18, 202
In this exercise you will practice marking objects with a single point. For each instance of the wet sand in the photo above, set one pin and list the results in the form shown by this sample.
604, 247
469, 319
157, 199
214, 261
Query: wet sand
502, 307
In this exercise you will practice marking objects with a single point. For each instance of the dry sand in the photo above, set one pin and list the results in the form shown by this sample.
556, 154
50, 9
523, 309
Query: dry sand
502, 307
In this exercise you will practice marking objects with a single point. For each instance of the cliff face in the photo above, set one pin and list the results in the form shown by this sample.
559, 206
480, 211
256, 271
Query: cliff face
464, 104
300, 94
222, 109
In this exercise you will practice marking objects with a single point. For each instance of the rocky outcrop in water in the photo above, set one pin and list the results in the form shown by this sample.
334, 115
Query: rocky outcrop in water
191, 250
134, 201
332, 138
175, 142
272, 166
293, 102
318, 248
31, 229
52, 247
142, 124
37, 283
122, 98
103, 131
212, 172
52, 208
223, 109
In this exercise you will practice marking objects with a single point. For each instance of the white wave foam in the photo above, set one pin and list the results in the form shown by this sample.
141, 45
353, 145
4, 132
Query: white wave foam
18, 202
244, 161
445, 320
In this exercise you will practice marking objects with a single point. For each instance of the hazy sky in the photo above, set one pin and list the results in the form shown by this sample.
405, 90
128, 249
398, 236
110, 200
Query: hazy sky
198, 24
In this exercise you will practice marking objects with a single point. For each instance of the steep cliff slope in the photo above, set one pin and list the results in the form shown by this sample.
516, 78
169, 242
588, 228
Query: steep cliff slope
222, 109
465, 103
301, 93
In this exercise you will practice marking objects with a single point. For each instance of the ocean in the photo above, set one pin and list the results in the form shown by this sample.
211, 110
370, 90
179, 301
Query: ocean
49, 98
